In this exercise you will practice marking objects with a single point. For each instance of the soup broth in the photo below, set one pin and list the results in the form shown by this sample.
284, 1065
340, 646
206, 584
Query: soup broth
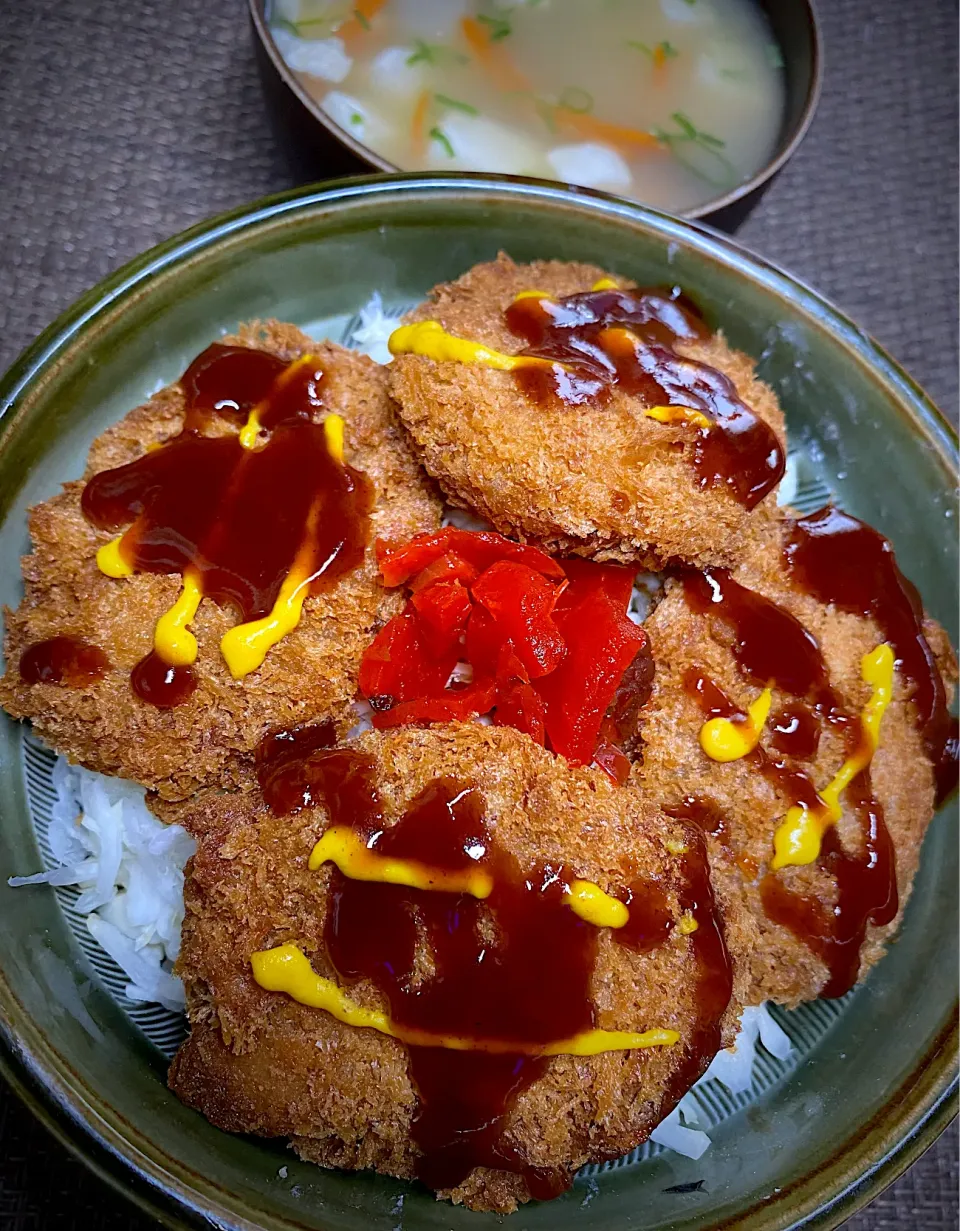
672, 102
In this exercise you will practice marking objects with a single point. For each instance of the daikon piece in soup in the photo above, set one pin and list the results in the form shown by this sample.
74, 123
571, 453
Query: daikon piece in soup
672, 102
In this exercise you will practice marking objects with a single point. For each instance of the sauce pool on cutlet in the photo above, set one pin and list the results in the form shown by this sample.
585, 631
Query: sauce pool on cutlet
510, 963
841, 560
254, 520
68, 661
837, 560
580, 347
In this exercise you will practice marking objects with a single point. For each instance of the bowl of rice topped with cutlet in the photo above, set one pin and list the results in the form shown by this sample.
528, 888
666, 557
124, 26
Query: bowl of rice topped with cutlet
480, 728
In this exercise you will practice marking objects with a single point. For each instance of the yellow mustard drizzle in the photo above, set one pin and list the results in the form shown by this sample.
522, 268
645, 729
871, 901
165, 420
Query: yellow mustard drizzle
287, 969
172, 639
594, 906
250, 432
605, 284
333, 432
430, 339
798, 837
726, 739
110, 559
344, 847
677, 414
687, 925
245, 646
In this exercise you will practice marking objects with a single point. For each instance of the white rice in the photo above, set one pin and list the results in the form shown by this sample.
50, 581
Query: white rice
129, 868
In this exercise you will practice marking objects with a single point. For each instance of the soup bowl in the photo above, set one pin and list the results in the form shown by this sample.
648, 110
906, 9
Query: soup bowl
318, 147
873, 1077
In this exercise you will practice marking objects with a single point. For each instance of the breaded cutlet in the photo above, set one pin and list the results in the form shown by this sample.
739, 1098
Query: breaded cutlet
601, 481
736, 797
309, 675
257, 1061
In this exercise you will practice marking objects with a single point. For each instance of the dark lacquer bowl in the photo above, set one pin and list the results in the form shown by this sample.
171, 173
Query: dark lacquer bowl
319, 148
871, 1081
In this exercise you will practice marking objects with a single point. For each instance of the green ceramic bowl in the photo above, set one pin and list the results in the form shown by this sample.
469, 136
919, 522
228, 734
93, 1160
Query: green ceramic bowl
877, 1086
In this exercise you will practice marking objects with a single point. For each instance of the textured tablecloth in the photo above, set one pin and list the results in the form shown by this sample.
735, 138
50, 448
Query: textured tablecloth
122, 123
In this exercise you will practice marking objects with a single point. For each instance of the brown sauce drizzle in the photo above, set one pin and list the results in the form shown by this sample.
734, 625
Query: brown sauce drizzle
795, 731
161, 685
715, 969
237, 518
771, 647
68, 661
866, 893
584, 332
526, 979
285, 769
842, 561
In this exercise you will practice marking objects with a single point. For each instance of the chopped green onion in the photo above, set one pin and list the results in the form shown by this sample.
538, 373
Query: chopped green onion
575, 99
710, 165
685, 123
298, 27
362, 19
439, 135
498, 27
434, 53
445, 101
356, 118
734, 74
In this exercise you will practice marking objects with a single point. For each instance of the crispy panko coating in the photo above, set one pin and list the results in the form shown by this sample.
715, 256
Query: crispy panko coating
309, 675
259, 1062
597, 481
674, 767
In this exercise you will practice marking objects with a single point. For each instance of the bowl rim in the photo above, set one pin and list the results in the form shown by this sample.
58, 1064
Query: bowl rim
782, 154
913, 1116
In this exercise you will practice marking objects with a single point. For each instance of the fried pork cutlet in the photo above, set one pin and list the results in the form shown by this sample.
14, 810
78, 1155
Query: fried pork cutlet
308, 675
809, 601
519, 964
599, 477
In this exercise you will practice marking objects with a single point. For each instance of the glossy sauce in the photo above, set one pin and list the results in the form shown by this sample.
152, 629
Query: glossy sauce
160, 684
67, 661
795, 731
770, 645
866, 893
239, 519
839, 560
530, 983
526, 979
625, 339
651, 919
285, 771
715, 970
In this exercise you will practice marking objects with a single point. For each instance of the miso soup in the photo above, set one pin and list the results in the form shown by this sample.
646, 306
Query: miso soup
672, 102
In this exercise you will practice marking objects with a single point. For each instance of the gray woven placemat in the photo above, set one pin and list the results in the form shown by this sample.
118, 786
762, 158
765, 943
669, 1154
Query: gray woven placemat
121, 124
